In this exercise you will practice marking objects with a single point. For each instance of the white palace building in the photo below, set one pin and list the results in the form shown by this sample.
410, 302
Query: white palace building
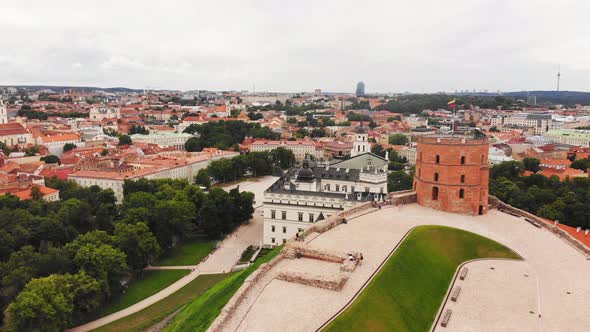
310, 193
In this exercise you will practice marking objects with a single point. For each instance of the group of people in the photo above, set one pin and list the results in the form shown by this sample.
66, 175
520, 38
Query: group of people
356, 257
300, 236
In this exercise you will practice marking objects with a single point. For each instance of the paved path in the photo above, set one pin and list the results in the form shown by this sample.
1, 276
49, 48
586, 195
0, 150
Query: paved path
556, 287
139, 305
220, 261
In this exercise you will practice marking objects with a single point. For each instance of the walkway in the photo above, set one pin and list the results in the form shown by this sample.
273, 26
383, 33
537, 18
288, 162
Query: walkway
222, 260
560, 294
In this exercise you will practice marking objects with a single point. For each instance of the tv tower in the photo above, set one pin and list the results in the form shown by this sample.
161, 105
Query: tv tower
558, 76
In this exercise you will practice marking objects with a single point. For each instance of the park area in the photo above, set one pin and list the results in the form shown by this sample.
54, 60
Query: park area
407, 292
187, 253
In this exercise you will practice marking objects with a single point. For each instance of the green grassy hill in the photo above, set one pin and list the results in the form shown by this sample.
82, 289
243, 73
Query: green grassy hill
407, 292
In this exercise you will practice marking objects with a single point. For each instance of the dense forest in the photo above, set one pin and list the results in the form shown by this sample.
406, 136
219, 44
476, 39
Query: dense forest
61, 261
567, 201
416, 103
225, 134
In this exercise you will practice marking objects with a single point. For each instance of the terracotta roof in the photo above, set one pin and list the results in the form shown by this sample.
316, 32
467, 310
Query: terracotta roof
61, 138
13, 128
26, 193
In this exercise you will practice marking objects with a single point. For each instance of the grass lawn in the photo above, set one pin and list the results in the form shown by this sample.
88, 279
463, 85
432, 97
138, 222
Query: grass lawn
139, 289
187, 253
199, 315
247, 254
155, 313
407, 292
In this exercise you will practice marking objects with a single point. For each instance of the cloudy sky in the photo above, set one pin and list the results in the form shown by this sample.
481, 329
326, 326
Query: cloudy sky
392, 45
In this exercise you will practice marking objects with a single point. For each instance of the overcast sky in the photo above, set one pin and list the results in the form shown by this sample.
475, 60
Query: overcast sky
391, 45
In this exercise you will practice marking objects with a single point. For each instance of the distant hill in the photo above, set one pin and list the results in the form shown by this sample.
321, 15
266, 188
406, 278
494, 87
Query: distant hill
543, 97
58, 88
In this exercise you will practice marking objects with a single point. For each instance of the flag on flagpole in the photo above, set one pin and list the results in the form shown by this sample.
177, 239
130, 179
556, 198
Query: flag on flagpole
452, 103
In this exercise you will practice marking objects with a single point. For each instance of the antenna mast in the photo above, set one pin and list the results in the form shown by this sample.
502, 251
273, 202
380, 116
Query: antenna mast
558, 76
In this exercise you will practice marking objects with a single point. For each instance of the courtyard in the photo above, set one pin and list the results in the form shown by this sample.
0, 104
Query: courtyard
545, 291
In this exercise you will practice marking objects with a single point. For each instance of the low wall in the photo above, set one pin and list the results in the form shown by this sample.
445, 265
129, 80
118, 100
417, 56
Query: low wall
335, 220
297, 250
495, 202
331, 282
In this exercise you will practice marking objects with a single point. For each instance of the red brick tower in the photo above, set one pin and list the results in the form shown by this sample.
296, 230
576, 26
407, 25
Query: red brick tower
452, 174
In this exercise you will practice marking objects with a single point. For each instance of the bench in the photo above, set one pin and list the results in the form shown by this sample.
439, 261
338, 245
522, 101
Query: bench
446, 318
455, 293
463, 273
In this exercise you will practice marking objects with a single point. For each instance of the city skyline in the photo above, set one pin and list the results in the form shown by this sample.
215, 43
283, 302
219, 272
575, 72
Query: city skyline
235, 46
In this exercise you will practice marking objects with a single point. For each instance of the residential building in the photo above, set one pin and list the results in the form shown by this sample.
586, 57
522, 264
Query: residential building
300, 148
570, 136
14, 133
99, 113
182, 165
163, 139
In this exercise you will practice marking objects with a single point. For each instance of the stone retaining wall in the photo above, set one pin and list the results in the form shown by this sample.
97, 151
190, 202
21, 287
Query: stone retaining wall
297, 250
230, 307
495, 202
334, 282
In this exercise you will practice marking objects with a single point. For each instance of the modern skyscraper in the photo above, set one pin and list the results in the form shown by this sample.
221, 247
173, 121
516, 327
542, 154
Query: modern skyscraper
360, 89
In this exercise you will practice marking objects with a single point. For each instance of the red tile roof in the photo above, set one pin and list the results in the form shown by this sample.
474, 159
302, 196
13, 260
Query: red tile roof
13, 128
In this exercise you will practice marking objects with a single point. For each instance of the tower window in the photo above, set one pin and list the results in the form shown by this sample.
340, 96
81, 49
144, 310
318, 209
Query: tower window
437, 159
435, 193
462, 160
482, 156
462, 178
435, 176
461, 193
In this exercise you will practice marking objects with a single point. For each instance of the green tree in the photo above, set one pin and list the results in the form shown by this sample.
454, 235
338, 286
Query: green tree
531, 164
378, 150
103, 262
87, 294
138, 243
51, 159
203, 178
283, 158
46, 304
399, 180
193, 144
398, 139
69, 146
125, 140
581, 164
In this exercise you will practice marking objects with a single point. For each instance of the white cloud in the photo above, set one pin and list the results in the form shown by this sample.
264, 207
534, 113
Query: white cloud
295, 46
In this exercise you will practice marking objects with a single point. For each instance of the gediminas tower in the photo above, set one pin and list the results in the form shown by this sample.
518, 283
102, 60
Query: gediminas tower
452, 173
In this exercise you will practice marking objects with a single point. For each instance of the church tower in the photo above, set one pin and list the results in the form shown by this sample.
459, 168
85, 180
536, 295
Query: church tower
3, 113
361, 142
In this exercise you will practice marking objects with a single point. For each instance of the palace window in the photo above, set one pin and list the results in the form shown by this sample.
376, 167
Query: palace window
273, 214
311, 217
462, 160
461, 193
300, 217
272, 228
284, 229
337, 187
435, 193
437, 159
435, 176
284, 215
462, 178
